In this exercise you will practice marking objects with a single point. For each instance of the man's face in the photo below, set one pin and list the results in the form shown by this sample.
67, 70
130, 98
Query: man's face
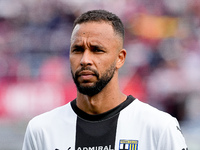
93, 55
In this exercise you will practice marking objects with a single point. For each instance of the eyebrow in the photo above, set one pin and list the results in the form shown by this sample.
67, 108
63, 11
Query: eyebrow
76, 46
97, 46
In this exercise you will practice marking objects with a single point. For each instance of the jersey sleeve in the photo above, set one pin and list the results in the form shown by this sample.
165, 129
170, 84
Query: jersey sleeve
172, 137
32, 139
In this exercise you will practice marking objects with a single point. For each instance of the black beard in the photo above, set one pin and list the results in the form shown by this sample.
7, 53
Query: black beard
99, 85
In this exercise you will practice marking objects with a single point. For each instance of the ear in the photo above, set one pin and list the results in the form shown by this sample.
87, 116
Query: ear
121, 58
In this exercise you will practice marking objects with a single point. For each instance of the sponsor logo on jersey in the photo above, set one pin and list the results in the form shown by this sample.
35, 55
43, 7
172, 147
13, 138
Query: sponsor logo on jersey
96, 148
128, 145
67, 149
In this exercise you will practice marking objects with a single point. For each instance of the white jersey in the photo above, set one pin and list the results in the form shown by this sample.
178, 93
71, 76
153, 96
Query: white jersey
133, 125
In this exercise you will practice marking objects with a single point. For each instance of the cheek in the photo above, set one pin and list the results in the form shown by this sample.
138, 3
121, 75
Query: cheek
105, 64
73, 64
74, 60
108, 61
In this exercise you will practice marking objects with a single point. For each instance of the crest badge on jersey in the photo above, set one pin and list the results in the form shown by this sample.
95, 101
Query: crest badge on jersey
128, 145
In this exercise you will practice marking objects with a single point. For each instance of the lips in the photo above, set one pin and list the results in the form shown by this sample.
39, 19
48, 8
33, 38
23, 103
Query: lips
86, 74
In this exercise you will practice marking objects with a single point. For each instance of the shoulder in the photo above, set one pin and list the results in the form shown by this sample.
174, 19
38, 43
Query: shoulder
50, 118
149, 116
158, 125
148, 111
48, 125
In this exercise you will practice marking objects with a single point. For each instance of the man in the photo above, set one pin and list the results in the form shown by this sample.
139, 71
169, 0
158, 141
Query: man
101, 117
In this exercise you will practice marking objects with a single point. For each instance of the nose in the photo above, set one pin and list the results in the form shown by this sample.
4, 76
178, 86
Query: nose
86, 58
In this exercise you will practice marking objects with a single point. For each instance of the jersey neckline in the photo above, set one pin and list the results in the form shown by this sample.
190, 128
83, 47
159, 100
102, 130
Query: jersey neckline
103, 116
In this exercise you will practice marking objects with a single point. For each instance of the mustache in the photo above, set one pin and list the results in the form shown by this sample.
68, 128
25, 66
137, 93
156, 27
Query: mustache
77, 73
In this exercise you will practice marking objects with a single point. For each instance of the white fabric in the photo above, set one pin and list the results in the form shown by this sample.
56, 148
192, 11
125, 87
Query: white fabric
153, 129
51, 130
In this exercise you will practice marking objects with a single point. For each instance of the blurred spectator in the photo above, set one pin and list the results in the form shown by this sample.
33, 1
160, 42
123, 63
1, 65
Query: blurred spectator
162, 40
162, 65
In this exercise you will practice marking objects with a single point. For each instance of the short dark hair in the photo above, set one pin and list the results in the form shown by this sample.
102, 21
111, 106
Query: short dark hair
102, 15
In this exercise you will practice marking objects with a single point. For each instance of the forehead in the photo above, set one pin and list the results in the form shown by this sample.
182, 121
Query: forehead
94, 31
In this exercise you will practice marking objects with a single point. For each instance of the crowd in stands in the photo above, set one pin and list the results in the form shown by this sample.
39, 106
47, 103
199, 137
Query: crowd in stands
162, 43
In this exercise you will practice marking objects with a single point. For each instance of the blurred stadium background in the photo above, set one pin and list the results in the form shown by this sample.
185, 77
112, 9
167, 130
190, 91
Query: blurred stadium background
162, 66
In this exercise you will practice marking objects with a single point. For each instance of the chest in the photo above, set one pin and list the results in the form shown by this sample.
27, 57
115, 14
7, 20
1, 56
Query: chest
115, 133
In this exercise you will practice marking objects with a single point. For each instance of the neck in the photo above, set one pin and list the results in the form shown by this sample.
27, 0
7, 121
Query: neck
108, 98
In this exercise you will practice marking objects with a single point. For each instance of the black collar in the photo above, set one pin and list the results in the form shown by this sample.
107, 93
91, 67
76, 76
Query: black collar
102, 116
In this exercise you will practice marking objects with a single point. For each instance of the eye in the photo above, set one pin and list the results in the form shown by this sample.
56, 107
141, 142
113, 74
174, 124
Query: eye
77, 50
97, 49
